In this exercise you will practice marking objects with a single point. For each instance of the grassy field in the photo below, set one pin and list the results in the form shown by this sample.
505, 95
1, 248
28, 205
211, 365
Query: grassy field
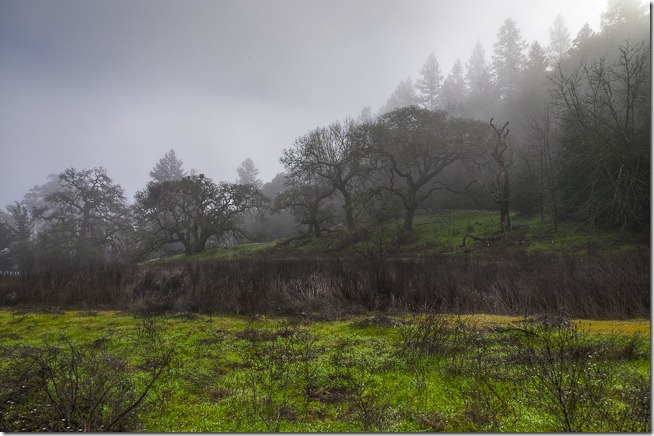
99, 370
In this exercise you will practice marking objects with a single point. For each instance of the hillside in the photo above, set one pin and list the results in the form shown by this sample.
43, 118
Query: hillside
447, 232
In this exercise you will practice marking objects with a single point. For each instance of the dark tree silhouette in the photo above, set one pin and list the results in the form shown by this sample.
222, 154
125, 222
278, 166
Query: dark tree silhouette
192, 211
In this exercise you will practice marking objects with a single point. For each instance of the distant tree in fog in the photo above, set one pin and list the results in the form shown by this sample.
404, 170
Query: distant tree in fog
480, 83
584, 35
168, 168
509, 60
623, 15
336, 154
85, 218
274, 223
560, 42
20, 223
403, 96
536, 60
6, 237
247, 174
365, 116
429, 84
21, 227
6, 240
35, 197
307, 198
533, 90
454, 92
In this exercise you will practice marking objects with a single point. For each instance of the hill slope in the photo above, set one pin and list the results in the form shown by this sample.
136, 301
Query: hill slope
447, 232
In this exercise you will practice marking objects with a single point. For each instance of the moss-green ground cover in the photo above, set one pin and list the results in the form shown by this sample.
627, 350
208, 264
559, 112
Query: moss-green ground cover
374, 373
450, 232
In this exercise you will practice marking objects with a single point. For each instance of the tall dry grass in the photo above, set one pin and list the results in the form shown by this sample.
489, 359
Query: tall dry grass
583, 287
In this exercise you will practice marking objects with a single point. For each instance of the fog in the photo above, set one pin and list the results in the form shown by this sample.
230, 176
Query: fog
119, 83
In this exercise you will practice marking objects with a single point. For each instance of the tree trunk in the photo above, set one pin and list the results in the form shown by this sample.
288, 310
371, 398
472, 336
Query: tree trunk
349, 215
505, 218
407, 227
502, 193
503, 199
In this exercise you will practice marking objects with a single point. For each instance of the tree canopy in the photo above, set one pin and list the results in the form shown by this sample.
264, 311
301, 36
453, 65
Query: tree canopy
192, 211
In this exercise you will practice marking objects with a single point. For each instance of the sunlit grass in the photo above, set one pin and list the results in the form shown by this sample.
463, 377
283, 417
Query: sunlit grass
640, 327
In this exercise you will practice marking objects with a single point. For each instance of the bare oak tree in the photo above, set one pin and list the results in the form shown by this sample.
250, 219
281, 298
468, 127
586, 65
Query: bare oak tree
192, 211
308, 201
86, 218
335, 154
416, 145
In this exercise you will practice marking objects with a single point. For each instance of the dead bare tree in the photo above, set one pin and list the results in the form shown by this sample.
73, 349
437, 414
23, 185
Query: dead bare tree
500, 191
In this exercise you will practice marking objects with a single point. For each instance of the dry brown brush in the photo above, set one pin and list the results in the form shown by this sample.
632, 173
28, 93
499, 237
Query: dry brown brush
583, 287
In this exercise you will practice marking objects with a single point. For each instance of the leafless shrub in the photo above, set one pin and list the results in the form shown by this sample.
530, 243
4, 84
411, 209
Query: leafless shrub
279, 368
494, 395
437, 335
71, 387
571, 379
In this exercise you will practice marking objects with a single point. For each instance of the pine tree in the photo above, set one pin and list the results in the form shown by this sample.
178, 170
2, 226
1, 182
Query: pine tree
624, 14
584, 35
453, 93
537, 59
168, 168
560, 42
429, 84
479, 81
508, 59
403, 96
247, 174
533, 90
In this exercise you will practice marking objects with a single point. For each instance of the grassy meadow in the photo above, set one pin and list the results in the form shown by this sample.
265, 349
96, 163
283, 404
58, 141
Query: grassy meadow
83, 370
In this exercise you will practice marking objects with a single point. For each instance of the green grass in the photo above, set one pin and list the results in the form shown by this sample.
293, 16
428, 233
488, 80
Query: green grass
441, 233
373, 373
444, 232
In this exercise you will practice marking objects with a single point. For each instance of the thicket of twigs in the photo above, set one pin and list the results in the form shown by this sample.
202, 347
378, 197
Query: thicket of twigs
583, 287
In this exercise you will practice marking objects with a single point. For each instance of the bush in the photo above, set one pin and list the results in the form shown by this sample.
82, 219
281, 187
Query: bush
67, 386
572, 377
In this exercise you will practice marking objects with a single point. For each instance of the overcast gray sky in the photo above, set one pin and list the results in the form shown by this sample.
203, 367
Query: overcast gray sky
118, 83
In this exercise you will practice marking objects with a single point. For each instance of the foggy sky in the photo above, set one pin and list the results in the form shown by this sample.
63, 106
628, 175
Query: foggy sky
118, 83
